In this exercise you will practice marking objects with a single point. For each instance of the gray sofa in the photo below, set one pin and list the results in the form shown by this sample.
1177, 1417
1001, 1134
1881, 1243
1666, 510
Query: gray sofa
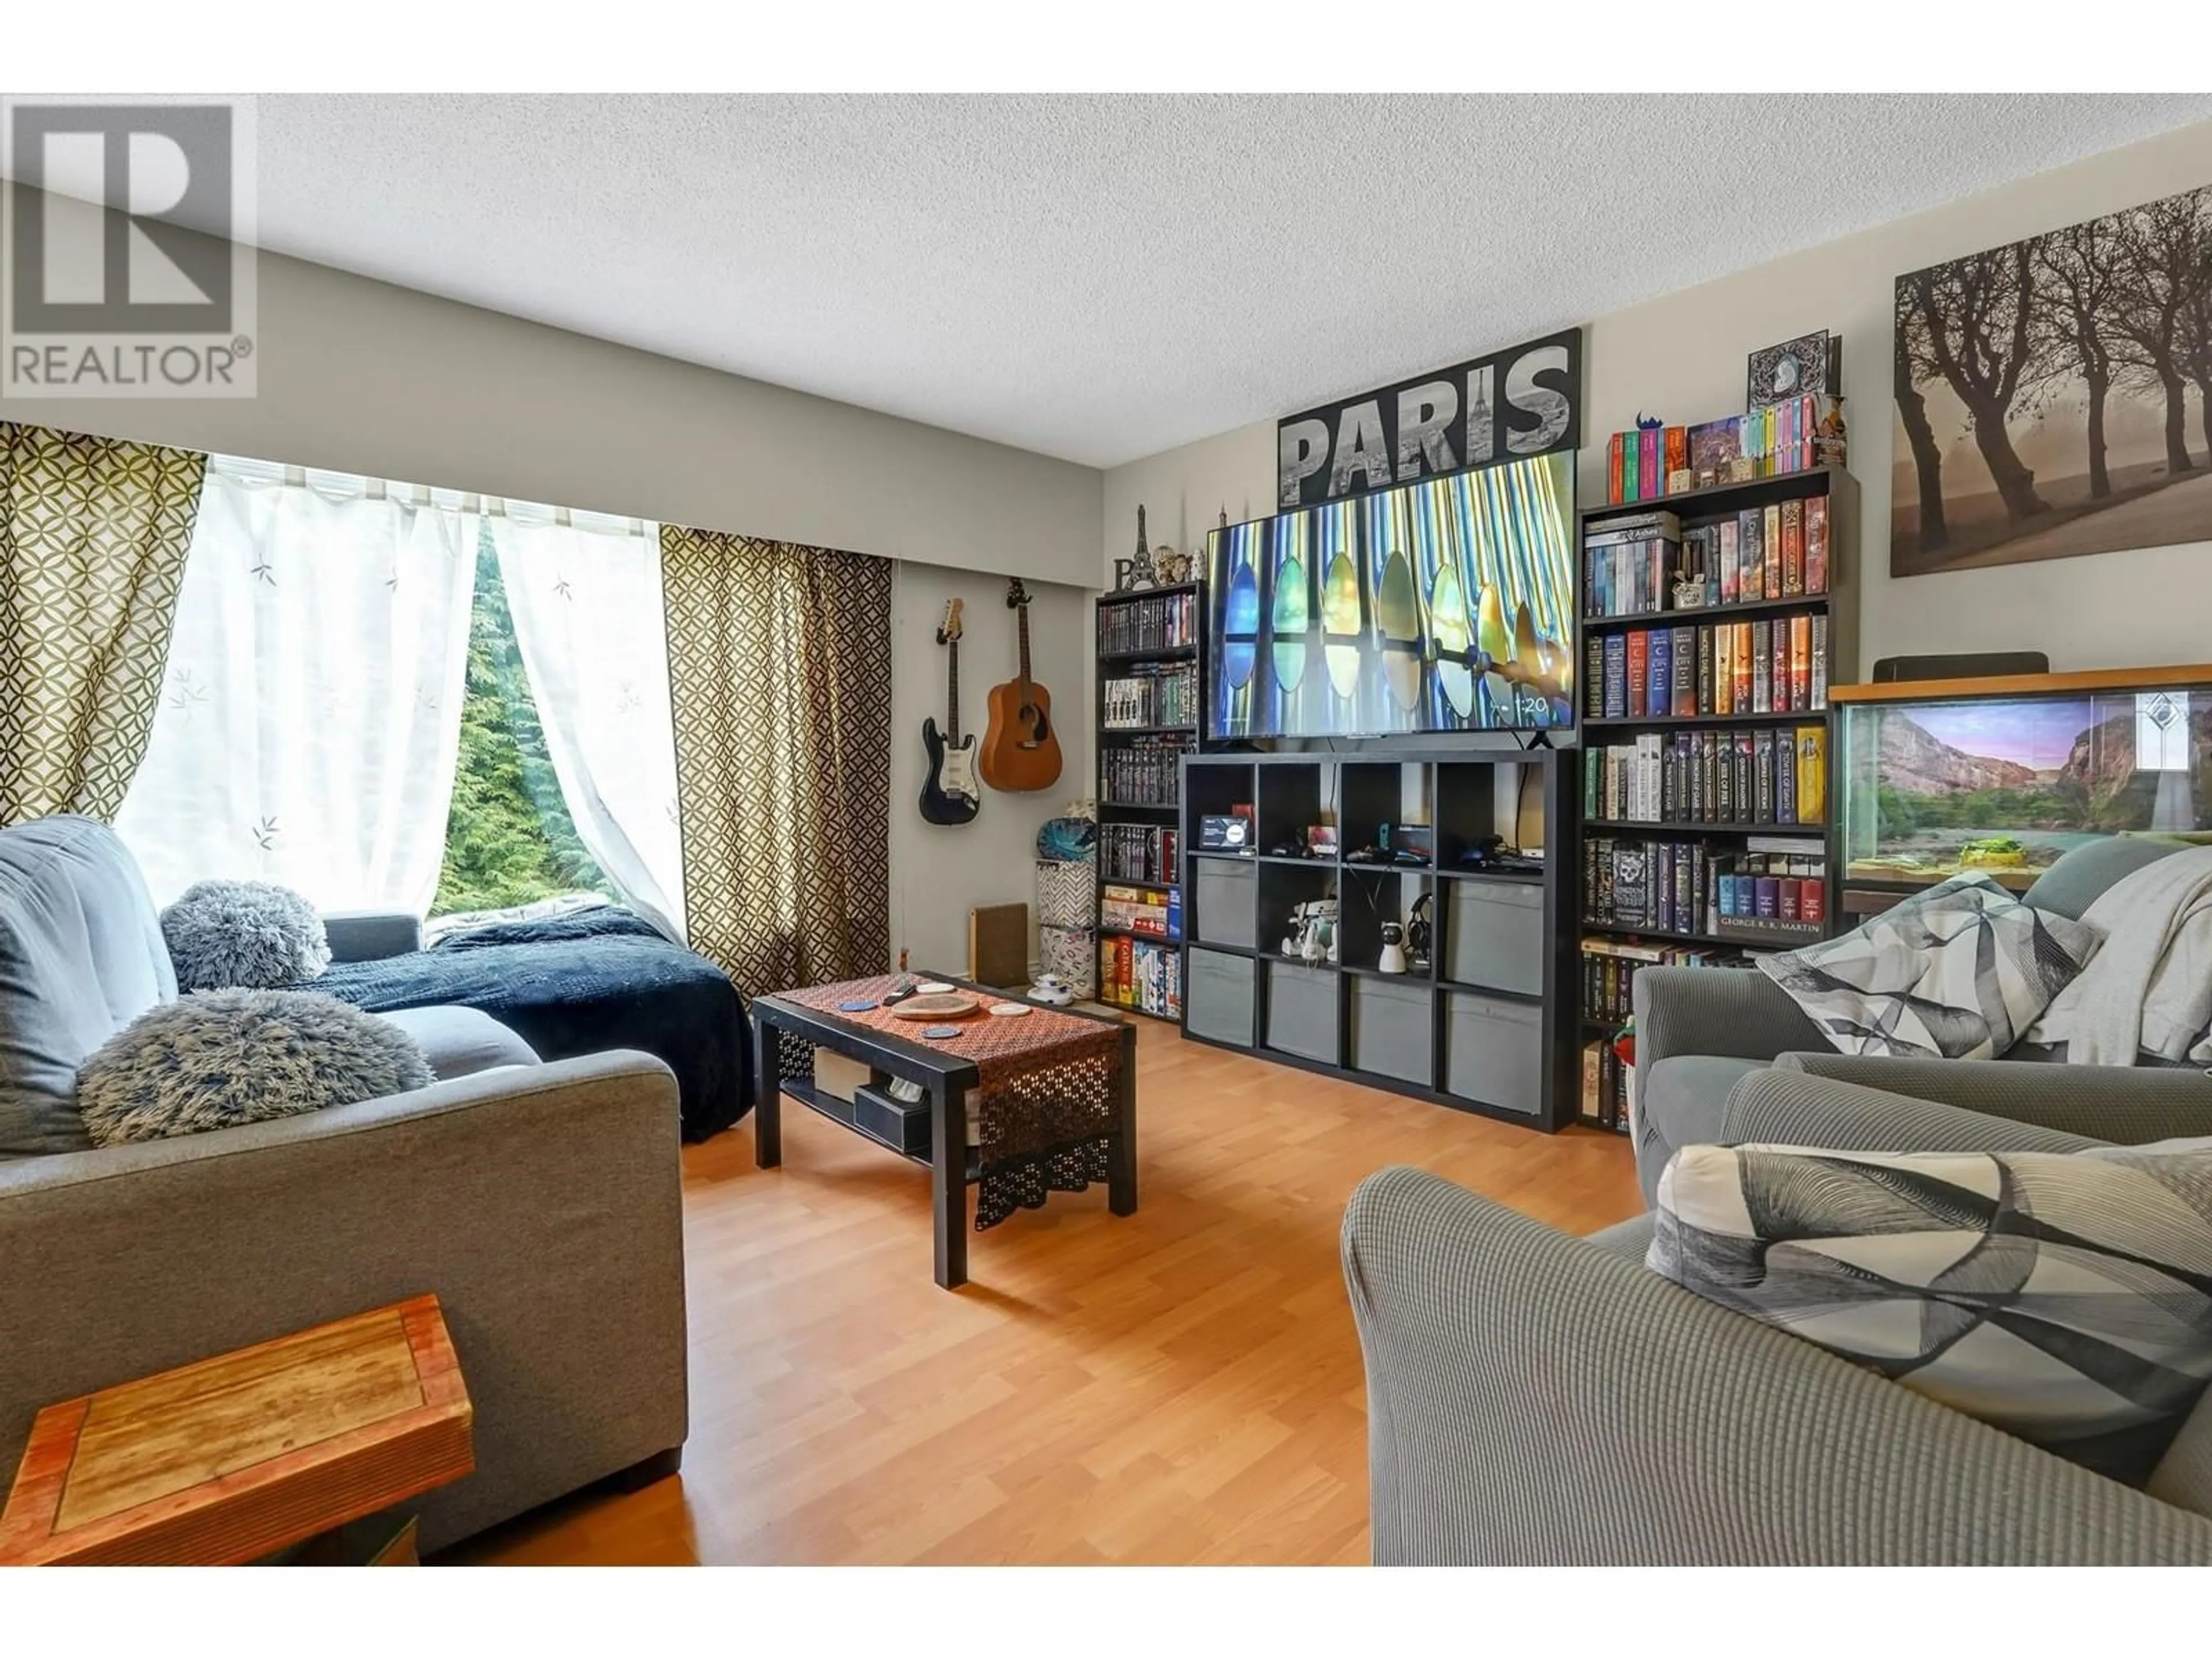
1700, 1032
1537, 1398
540, 1203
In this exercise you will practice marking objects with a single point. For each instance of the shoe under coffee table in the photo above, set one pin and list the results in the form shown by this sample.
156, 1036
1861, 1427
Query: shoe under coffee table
1018, 1106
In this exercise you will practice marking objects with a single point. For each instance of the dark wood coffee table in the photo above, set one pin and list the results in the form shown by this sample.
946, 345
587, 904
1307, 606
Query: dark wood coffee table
948, 1079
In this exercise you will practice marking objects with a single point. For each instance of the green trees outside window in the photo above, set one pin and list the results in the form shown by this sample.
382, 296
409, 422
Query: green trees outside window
509, 839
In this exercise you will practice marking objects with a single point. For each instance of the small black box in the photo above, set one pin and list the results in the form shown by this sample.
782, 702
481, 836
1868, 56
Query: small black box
1225, 832
900, 1124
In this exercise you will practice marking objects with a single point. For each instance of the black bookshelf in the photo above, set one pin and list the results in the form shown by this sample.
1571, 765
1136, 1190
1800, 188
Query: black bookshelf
1128, 647
1837, 606
1485, 1024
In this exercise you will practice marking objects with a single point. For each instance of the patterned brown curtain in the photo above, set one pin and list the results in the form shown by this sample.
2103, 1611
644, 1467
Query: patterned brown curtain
779, 669
93, 537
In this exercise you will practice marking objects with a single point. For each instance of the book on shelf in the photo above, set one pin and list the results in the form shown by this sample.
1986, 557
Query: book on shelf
1695, 670
1138, 974
1675, 886
1130, 626
1146, 771
1794, 434
1719, 777
1160, 694
1605, 1091
1631, 568
1139, 853
1141, 910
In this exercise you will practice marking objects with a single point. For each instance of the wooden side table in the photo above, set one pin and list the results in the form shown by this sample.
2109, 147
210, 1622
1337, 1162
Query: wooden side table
237, 1457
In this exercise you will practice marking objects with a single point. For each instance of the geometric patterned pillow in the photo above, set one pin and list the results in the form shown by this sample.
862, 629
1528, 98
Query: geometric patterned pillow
2065, 1298
1958, 972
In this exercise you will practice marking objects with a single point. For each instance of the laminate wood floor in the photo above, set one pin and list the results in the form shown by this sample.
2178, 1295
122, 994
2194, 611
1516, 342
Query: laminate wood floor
1182, 1385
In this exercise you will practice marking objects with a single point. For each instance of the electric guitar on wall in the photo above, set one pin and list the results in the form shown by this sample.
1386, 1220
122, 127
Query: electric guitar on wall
1020, 750
949, 794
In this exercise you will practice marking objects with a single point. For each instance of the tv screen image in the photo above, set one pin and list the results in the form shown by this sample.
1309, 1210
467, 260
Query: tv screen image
1443, 605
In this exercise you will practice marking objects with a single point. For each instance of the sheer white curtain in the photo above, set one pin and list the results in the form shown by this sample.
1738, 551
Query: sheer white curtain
585, 594
310, 718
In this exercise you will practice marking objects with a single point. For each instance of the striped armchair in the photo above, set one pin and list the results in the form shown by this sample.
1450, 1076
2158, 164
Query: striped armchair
1701, 1033
1537, 1398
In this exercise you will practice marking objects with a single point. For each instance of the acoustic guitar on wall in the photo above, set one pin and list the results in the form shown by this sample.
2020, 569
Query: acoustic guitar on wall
1021, 751
949, 794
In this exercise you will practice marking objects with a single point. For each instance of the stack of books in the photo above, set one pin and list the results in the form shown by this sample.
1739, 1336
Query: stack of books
1142, 773
1157, 912
1129, 628
1605, 1095
1765, 776
1636, 464
1765, 889
1136, 851
1162, 695
1610, 966
1634, 883
1632, 567
1793, 435
1138, 973
1690, 887
1776, 666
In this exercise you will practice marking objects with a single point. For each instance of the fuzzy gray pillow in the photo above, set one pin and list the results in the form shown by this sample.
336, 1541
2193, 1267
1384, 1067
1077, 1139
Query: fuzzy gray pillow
217, 1058
255, 933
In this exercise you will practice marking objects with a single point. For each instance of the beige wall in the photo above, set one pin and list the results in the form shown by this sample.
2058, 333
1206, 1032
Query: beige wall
365, 377
1681, 357
940, 873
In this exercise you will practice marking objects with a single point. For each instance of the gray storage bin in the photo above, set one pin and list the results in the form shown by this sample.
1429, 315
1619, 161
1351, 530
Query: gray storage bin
1494, 935
1217, 1002
1302, 1010
1391, 1025
1228, 896
1494, 1051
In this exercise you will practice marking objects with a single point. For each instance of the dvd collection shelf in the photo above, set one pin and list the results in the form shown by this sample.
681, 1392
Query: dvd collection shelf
1704, 733
1150, 699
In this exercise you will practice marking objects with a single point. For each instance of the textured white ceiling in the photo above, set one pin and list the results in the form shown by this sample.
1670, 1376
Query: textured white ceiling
1102, 277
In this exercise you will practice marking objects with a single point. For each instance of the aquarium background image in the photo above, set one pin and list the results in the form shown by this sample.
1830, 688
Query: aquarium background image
1444, 605
2007, 785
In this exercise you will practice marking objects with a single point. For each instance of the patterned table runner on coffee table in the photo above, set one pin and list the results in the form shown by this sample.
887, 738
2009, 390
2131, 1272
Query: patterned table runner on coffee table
1043, 1107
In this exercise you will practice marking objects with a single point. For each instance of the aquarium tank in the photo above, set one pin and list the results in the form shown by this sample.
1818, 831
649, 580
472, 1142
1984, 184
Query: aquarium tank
1937, 780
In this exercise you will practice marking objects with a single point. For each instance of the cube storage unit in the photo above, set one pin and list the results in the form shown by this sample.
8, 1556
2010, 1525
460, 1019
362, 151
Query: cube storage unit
1484, 1022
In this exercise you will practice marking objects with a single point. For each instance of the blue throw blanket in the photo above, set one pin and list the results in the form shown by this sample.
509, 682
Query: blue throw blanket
580, 984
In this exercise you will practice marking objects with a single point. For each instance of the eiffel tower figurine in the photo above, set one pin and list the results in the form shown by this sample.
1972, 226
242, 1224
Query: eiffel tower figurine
1141, 567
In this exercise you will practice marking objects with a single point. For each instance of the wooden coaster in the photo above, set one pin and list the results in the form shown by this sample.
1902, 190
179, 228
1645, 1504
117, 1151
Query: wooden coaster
947, 1005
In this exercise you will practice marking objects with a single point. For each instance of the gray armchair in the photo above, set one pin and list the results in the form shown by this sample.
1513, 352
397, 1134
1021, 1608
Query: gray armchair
1701, 1032
1537, 1398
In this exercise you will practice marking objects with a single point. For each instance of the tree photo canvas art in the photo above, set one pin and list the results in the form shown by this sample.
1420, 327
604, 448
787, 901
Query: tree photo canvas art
2054, 395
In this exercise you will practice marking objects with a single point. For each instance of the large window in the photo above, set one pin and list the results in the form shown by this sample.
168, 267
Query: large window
509, 839
396, 698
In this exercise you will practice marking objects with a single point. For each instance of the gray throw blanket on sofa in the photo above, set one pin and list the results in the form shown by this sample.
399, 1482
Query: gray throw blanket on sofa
2147, 995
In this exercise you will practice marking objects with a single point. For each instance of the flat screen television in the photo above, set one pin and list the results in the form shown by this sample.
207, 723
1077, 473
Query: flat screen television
1443, 605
